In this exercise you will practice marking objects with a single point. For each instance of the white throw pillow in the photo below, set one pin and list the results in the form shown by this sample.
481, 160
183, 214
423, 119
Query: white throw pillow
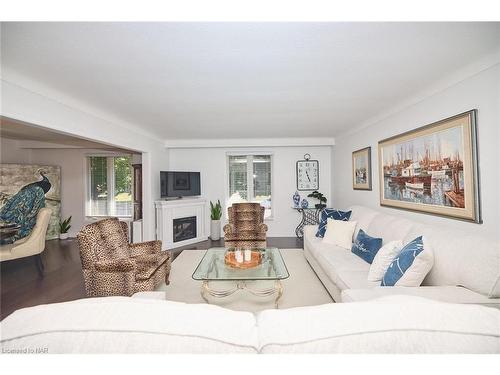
339, 232
383, 259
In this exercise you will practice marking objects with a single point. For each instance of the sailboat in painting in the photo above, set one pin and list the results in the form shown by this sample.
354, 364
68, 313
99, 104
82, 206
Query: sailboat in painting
427, 170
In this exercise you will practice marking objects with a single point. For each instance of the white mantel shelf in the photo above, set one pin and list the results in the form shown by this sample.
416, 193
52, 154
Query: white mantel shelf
168, 210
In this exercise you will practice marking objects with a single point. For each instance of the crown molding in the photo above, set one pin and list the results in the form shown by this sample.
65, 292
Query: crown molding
250, 142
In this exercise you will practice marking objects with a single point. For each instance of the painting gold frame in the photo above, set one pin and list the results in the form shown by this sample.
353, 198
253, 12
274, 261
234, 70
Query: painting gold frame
364, 153
463, 199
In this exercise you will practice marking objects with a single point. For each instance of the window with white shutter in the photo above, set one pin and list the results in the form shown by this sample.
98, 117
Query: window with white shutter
109, 186
250, 180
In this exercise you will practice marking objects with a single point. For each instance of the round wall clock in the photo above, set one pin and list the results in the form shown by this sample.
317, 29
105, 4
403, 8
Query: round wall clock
307, 174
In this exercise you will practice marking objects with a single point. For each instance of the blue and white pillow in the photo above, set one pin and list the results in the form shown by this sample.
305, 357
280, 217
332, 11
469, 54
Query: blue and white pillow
411, 265
365, 246
332, 214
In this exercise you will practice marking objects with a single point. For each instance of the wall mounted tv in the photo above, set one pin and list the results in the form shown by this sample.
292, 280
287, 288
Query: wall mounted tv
179, 184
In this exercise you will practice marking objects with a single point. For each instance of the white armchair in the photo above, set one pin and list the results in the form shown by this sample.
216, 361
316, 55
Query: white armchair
32, 245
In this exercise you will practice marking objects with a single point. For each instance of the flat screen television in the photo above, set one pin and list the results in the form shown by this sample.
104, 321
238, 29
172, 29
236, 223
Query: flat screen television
180, 184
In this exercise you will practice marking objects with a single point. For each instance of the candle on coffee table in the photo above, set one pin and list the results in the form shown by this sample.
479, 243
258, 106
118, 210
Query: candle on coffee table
248, 255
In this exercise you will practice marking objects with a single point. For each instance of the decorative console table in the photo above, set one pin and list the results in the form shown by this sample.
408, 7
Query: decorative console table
310, 216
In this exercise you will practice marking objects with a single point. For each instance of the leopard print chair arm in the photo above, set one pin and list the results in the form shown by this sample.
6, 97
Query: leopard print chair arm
112, 278
145, 263
262, 228
116, 265
147, 259
229, 229
149, 247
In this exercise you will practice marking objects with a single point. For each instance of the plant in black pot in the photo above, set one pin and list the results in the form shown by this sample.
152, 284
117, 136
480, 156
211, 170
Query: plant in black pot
322, 199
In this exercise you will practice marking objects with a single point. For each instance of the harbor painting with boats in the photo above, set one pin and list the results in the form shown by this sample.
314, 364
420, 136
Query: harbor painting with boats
361, 169
426, 170
431, 169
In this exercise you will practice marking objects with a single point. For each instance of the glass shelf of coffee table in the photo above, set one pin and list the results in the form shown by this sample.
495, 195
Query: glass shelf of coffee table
212, 268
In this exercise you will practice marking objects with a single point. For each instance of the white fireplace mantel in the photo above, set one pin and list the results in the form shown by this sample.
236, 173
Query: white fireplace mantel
168, 210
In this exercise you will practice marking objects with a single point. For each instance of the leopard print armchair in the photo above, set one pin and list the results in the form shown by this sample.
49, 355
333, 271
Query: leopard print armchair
246, 226
114, 267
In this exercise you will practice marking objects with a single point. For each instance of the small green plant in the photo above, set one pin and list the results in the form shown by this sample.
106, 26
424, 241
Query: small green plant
215, 210
322, 199
65, 225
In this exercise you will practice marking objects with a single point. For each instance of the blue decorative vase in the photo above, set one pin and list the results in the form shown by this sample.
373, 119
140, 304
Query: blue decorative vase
296, 200
304, 203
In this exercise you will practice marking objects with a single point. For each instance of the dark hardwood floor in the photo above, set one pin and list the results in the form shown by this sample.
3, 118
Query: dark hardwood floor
21, 285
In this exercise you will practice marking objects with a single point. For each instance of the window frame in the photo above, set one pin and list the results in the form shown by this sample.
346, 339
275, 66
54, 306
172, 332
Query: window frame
250, 187
110, 169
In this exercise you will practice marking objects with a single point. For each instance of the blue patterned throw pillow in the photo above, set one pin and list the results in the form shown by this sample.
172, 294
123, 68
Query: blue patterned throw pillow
332, 214
411, 265
365, 246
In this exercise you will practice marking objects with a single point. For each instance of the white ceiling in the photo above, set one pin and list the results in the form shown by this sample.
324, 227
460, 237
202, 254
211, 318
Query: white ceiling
238, 80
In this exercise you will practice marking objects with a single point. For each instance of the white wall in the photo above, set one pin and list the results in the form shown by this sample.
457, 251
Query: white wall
211, 162
72, 163
10, 153
45, 108
480, 91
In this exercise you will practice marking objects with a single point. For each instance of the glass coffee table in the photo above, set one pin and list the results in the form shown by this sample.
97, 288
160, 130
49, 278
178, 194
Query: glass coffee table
213, 268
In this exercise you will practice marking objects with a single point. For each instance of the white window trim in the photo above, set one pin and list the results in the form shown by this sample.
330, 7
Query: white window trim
250, 177
111, 182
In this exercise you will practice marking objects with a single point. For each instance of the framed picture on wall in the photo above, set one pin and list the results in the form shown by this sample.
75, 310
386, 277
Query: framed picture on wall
362, 169
433, 169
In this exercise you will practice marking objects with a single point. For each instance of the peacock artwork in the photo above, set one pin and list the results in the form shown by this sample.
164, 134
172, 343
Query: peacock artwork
24, 189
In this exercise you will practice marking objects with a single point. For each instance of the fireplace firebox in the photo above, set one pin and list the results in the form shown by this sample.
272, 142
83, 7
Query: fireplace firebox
184, 228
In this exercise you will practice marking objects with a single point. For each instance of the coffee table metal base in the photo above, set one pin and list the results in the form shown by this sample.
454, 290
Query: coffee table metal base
240, 284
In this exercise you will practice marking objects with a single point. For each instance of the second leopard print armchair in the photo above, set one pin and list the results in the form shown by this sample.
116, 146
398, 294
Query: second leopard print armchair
114, 267
246, 226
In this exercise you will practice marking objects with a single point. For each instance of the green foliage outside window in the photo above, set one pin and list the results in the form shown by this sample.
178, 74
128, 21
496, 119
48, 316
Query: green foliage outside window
123, 175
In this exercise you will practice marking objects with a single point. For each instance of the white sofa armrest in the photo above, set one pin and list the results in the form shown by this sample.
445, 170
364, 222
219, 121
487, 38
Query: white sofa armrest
310, 231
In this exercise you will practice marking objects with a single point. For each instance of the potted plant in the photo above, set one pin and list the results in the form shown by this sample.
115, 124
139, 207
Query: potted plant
322, 199
64, 227
215, 215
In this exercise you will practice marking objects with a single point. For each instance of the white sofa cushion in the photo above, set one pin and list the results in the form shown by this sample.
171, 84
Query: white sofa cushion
378, 224
452, 294
340, 233
130, 325
383, 259
398, 324
351, 279
363, 216
342, 267
338, 258
390, 228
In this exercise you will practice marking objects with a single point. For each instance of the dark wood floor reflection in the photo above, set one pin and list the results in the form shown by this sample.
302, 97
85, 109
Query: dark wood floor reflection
63, 281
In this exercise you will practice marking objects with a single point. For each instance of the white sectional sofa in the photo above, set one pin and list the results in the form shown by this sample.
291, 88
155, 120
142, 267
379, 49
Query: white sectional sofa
396, 324
466, 268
